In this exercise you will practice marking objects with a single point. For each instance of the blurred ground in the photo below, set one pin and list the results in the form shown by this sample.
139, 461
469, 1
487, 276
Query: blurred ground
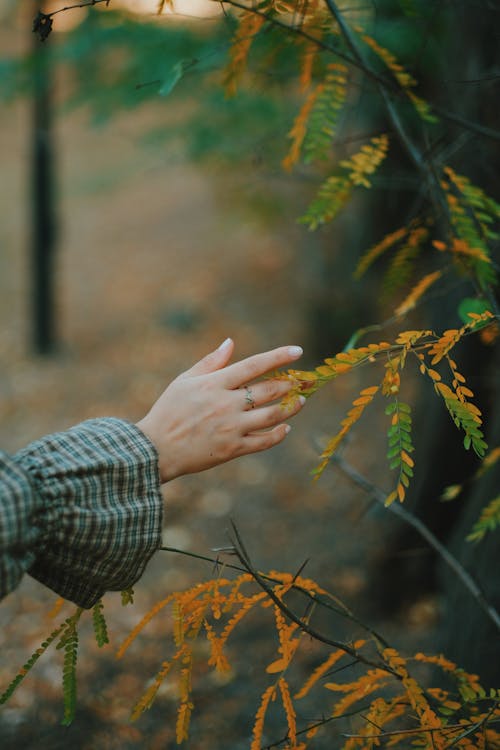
159, 262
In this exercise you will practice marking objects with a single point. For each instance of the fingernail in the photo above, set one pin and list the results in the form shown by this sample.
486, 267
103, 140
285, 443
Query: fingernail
225, 344
287, 429
302, 400
295, 351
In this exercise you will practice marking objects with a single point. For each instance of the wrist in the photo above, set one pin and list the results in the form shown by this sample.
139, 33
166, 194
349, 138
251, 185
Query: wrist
166, 472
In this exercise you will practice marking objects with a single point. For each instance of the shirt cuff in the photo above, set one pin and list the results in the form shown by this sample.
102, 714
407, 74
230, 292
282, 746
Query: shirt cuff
100, 514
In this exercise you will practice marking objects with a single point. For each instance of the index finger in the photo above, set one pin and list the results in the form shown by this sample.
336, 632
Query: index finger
253, 367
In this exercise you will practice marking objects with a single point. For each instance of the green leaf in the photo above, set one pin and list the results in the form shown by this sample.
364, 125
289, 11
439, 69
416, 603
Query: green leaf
172, 78
471, 305
127, 596
100, 628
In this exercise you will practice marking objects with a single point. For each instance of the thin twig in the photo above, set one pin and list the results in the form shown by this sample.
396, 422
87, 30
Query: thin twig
87, 4
388, 85
316, 598
315, 725
391, 111
477, 725
463, 575
419, 730
305, 627
299, 29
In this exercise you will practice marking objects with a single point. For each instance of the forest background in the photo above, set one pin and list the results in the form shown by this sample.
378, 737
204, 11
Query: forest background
176, 219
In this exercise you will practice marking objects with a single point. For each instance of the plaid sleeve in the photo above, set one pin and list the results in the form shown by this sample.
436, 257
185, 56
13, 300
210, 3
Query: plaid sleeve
81, 510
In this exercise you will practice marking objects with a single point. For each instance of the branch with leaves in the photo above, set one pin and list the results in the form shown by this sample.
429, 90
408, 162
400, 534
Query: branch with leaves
380, 691
43, 22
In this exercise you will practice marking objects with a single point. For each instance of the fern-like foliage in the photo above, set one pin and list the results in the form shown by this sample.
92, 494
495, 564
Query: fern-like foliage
386, 701
127, 596
473, 216
489, 520
366, 161
400, 447
404, 261
299, 129
316, 124
389, 241
404, 79
418, 291
30, 663
429, 349
359, 405
268, 695
336, 190
69, 643
332, 196
99, 622
325, 114
67, 633
248, 27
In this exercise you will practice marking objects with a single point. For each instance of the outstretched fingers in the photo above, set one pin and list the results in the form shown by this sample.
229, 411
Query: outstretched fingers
270, 416
249, 369
262, 441
216, 360
259, 394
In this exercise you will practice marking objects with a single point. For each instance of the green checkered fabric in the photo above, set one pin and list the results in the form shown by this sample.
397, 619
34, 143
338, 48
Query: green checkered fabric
81, 510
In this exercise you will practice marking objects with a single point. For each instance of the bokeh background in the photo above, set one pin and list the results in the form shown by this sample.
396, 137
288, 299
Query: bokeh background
176, 227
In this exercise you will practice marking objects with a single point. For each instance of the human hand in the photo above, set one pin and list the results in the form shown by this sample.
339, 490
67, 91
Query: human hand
209, 414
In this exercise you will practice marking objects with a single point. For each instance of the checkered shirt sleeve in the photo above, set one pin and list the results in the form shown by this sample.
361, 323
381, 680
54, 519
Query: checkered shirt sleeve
80, 510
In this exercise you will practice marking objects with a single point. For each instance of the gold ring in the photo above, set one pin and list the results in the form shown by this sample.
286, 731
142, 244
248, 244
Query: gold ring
249, 397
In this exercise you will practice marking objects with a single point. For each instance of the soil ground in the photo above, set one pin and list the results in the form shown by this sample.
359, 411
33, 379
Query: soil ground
157, 264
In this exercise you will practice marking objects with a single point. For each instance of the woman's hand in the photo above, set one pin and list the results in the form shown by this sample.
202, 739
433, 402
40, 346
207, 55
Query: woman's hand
210, 414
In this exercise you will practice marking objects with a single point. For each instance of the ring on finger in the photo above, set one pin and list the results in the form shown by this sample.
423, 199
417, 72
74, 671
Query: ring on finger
249, 397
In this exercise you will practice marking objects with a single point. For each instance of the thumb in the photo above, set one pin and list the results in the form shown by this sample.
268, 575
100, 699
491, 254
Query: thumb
216, 360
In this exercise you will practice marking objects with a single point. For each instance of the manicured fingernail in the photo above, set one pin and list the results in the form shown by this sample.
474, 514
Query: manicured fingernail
295, 351
302, 400
287, 429
225, 344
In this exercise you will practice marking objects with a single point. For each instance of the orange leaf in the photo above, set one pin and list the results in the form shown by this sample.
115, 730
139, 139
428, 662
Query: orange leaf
406, 458
276, 666
433, 374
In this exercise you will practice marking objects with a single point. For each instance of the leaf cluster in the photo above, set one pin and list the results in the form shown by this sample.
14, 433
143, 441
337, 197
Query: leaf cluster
383, 698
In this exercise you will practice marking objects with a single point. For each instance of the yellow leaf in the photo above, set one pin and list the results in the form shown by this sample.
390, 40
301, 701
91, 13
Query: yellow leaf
406, 458
451, 492
370, 391
417, 292
444, 390
361, 401
433, 374
390, 498
466, 392
325, 370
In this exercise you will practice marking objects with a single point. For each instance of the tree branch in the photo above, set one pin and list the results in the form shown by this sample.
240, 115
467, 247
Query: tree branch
470, 728
400, 511
322, 601
87, 4
305, 627
386, 83
391, 111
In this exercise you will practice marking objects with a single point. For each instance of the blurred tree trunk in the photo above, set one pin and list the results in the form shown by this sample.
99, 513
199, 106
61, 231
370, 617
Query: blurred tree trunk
43, 222
467, 636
